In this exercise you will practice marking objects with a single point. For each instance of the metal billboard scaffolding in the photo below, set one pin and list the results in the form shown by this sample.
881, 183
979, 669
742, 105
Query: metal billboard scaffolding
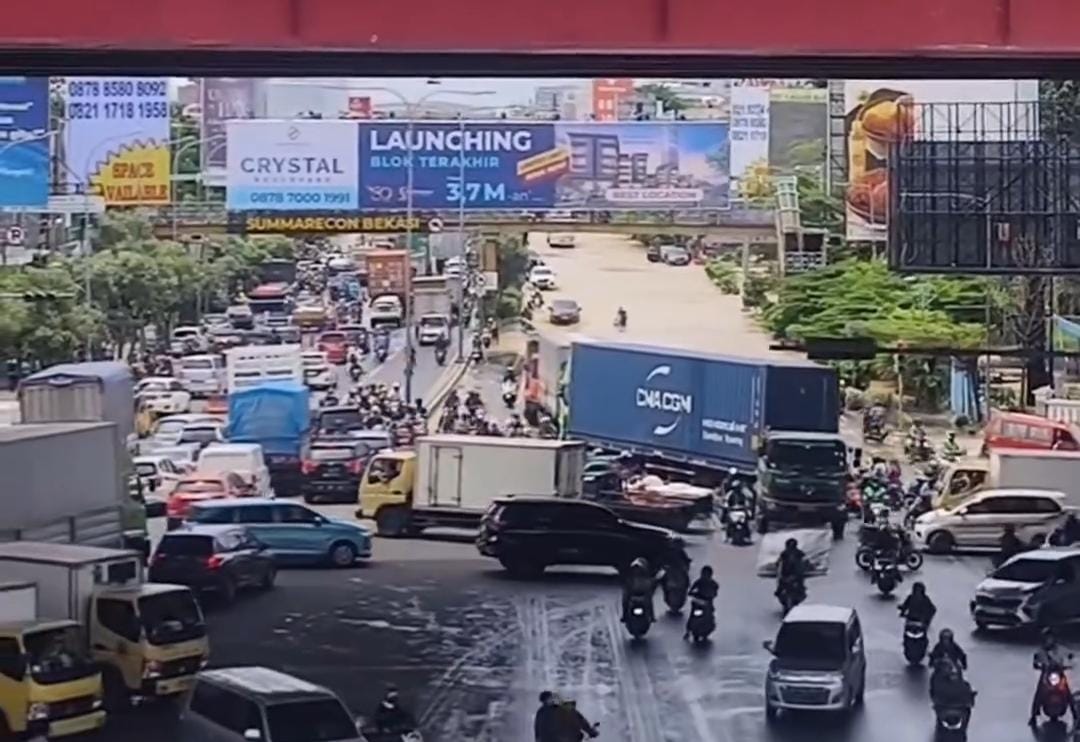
982, 188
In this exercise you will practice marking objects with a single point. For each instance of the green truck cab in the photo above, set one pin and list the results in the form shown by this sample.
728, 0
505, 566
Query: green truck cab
802, 479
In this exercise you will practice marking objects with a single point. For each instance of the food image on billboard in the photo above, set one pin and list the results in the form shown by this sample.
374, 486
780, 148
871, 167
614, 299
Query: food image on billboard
117, 138
882, 112
308, 165
636, 165
506, 166
24, 141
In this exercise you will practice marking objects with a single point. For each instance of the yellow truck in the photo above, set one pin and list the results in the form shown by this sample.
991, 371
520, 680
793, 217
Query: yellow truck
49, 684
451, 480
149, 638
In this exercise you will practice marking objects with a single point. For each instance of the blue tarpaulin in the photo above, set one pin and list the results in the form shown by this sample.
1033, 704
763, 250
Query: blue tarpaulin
274, 415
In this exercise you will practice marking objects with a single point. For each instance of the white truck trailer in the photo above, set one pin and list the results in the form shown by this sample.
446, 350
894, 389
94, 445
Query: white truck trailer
1012, 467
251, 365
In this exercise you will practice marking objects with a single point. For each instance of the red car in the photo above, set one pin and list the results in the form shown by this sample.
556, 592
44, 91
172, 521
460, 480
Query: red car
335, 345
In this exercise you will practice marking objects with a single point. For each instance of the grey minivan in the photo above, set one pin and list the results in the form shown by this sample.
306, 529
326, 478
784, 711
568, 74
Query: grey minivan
258, 704
819, 662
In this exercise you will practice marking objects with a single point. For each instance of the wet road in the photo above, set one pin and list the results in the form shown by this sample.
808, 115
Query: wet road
471, 649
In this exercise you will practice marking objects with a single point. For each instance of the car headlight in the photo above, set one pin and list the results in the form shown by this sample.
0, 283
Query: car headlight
152, 669
37, 711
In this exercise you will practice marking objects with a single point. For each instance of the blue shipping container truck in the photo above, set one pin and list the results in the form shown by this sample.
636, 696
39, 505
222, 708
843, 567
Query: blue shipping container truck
277, 417
694, 407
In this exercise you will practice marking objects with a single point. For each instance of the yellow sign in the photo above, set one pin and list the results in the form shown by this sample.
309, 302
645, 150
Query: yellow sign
134, 176
552, 162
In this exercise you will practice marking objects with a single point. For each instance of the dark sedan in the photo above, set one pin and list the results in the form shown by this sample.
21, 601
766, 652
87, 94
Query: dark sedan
565, 312
218, 559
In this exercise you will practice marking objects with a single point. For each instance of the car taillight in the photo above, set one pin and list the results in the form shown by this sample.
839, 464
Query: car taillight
308, 467
174, 507
215, 561
356, 466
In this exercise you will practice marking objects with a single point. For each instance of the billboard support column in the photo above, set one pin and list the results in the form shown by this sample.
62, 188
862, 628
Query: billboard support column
410, 351
461, 236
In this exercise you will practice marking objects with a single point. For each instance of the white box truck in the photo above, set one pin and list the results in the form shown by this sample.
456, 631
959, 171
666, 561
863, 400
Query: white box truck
150, 638
450, 480
251, 365
1011, 467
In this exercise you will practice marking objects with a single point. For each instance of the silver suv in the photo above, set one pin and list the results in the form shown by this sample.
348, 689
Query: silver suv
1040, 587
257, 704
819, 662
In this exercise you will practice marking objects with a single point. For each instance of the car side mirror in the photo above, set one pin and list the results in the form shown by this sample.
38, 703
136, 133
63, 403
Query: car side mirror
252, 734
768, 645
320, 521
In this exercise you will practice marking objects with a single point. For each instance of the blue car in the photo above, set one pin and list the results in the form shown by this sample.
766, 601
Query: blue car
295, 535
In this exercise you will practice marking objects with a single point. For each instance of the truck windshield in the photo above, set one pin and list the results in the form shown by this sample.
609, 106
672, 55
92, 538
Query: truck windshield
806, 455
171, 617
57, 655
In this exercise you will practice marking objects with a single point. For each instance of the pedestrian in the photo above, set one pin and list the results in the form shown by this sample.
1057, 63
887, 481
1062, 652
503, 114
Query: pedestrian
546, 723
573, 726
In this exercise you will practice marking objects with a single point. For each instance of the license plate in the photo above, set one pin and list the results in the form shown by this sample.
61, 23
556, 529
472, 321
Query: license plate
84, 723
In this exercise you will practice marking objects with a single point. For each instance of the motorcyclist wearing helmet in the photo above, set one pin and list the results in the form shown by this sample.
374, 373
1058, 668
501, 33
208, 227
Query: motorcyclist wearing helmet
947, 651
1048, 657
736, 497
639, 582
949, 689
917, 606
705, 589
389, 715
791, 566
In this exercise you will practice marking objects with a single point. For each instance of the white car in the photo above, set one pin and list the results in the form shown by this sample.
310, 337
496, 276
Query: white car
431, 327
542, 277
317, 371
979, 521
202, 374
186, 338
564, 240
182, 457
158, 473
167, 431
163, 395
386, 310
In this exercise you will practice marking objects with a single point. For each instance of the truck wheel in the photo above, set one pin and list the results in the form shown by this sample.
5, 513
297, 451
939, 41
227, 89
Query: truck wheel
392, 522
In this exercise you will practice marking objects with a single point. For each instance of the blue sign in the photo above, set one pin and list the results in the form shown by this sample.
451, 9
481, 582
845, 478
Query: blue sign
24, 141
505, 166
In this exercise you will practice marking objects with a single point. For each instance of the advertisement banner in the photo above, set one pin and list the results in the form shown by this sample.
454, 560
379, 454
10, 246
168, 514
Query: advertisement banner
223, 98
880, 112
117, 138
24, 141
749, 135
292, 166
506, 166
359, 107
348, 222
608, 95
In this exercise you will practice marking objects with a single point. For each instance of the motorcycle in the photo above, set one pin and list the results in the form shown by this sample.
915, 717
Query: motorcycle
885, 574
790, 593
371, 734
637, 618
915, 641
675, 588
440, 355
951, 722
702, 622
737, 530
875, 432
1055, 697
381, 353
509, 399
355, 372
919, 450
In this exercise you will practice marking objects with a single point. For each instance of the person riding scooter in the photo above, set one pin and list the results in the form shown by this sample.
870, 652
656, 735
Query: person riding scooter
791, 567
1049, 657
639, 583
389, 715
917, 606
705, 589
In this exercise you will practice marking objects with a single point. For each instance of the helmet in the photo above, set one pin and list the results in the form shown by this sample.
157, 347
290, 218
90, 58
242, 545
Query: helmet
946, 635
706, 571
791, 544
919, 587
1048, 637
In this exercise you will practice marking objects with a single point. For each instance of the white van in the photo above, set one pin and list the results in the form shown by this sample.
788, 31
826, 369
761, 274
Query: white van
204, 375
246, 459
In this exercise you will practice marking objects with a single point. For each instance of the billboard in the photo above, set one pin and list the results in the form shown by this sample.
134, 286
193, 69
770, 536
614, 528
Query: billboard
608, 95
24, 141
117, 138
222, 99
880, 113
506, 166
749, 106
329, 222
308, 165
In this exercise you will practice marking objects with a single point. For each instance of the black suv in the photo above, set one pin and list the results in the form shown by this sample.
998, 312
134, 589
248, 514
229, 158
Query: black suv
332, 469
528, 534
219, 559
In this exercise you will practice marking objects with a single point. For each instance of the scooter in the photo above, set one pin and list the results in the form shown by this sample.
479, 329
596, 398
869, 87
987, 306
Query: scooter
915, 641
1055, 697
440, 355
509, 399
381, 353
951, 722
790, 593
737, 530
702, 622
885, 574
637, 618
355, 372
675, 592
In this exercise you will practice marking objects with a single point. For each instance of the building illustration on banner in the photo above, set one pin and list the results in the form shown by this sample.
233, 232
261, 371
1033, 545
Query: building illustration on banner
883, 112
117, 139
24, 141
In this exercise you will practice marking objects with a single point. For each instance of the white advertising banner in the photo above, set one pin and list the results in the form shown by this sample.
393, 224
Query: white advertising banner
749, 133
310, 165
